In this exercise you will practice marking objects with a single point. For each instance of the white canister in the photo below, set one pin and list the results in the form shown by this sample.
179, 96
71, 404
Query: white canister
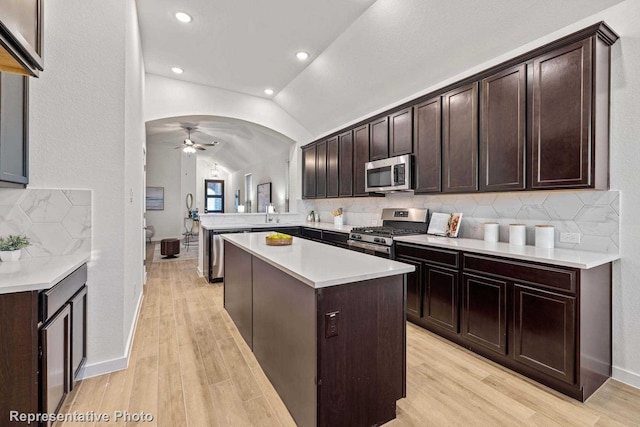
544, 236
491, 231
517, 234
337, 221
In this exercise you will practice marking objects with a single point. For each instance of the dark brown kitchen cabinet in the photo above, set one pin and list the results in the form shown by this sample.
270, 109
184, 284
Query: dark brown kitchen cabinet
379, 139
401, 133
14, 128
309, 171
502, 130
321, 170
484, 312
78, 305
460, 139
345, 164
42, 346
332, 167
440, 299
570, 116
544, 331
21, 35
414, 289
55, 338
360, 157
427, 144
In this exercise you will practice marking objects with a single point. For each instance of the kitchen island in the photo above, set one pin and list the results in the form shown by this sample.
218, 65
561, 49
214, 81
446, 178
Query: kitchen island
327, 326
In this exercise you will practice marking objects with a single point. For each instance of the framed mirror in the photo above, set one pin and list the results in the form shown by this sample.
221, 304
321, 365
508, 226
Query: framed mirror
189, 201
264, 196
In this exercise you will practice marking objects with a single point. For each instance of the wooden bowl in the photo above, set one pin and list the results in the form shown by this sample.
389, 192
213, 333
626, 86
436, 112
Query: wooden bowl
279, 242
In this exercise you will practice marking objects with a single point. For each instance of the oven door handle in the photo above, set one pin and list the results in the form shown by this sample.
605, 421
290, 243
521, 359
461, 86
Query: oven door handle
369, 246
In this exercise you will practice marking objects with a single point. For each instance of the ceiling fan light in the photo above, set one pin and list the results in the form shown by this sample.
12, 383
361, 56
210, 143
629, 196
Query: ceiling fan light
189, 149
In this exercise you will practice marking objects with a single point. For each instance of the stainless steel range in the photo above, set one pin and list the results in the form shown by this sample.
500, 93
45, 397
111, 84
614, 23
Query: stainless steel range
395, 222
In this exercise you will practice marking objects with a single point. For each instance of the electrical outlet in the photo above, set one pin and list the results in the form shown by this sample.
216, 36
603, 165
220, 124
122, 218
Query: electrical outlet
331, 324
570, 237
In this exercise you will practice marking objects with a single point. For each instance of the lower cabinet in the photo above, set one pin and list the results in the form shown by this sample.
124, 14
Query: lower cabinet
42, 346
550, 323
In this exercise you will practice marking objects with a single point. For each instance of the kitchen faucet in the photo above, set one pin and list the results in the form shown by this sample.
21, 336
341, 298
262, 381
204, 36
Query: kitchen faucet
269, 210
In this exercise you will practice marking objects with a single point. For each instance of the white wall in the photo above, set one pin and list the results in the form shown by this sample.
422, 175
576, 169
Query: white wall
271, 169
164, 166
79, 138
167, 97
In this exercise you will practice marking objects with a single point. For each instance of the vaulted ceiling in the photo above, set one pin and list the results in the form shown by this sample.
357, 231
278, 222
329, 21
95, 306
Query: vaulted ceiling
365, 54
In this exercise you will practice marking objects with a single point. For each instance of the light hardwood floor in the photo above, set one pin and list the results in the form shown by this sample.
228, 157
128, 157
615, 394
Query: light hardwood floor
190, 367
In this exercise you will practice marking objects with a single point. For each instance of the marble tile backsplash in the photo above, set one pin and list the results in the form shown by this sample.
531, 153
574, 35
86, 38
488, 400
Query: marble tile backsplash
593, 214
58, 222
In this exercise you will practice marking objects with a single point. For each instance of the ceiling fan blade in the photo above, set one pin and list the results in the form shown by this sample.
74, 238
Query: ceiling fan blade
178, 147
208, 145
199, 148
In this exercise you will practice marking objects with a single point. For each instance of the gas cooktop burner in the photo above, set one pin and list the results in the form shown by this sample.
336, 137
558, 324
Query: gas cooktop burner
384, 231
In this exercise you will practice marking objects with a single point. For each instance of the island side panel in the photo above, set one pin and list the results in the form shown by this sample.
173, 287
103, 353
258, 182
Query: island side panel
284, 338
362, 368
238, 289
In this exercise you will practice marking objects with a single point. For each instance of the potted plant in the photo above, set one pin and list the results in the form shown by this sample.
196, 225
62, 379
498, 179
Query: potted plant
10, 247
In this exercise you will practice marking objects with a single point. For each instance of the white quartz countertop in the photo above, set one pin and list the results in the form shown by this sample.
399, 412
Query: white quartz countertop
556, 256
31, 274
318, 225
317, 264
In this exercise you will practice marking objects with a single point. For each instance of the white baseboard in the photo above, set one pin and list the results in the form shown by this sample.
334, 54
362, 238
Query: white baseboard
120, 363
627, 377
199, 270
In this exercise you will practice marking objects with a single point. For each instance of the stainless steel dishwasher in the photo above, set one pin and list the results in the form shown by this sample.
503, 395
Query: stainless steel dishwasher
216, 251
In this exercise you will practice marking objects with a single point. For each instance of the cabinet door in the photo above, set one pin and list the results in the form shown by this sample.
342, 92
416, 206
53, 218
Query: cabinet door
321, 170
502, 133
440, 303
544, 332
332, 167
21, 36
400, 135
55, 340
14, 154
345, 164
360, 157
309, 172
484, 312
561, 146
428, 143
414, 288
379, 145
78, 334
460, 139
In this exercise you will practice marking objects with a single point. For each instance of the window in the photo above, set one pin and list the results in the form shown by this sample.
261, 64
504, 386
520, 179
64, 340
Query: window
248, 186
213, 196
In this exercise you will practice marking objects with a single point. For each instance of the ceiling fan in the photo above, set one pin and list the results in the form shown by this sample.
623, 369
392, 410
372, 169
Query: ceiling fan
190, 146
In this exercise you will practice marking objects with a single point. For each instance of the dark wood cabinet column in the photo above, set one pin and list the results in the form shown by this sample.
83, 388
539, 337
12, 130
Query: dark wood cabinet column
321, 170
460, 139
345, 164
428, 146
379, 142
400, 133
332, 167
309, 172
360, 157
502, 130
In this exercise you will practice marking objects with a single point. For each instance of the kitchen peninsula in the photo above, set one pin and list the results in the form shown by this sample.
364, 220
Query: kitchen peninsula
327, 326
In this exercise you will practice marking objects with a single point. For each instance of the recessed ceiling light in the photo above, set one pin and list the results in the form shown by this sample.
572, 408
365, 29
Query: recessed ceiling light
183, 17
302, 55
177, 70
268, 91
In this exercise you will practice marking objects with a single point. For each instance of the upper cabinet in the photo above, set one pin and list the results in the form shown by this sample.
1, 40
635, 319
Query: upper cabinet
14, 126
360, 157
332, 167
321, 170
502, 130
21, 36
536, 121
569, 85
379, 139
345, 164
460, 139
309, 172
427, 139
400, 133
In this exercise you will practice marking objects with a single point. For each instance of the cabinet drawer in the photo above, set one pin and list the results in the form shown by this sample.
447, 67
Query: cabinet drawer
333, 237
545, 276
311, 233
53, 299
430, 255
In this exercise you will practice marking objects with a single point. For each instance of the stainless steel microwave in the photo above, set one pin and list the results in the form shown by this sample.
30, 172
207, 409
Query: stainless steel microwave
388, 175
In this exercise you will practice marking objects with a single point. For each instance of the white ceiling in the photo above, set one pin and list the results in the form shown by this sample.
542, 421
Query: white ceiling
240, 143
365, 54
240, 45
